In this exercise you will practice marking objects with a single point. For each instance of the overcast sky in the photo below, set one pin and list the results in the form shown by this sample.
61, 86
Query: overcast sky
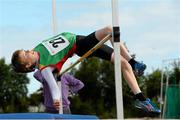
150, 28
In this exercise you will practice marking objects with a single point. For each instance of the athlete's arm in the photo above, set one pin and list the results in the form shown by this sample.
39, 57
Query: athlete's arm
54, 89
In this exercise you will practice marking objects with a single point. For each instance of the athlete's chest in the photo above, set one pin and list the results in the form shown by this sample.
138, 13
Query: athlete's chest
56, 44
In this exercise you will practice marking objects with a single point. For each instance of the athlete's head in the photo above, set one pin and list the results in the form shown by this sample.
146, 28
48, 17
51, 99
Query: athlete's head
24, 60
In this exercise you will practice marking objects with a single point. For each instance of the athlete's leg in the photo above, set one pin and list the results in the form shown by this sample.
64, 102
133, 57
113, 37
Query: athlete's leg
101, 33
128, 75
138, 67
141, 102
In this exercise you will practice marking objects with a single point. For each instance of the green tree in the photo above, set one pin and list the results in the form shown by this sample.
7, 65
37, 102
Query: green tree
98, 95
13, 89
175, 73
36, 98
152, 84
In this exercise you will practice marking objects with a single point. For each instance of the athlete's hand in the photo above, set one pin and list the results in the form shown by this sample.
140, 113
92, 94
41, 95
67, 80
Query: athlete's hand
56, 104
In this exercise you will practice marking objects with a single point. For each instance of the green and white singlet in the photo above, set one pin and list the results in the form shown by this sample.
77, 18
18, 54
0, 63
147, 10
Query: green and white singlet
56, 50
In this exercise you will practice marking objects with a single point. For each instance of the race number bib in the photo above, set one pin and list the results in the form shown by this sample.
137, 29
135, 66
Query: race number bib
56, 44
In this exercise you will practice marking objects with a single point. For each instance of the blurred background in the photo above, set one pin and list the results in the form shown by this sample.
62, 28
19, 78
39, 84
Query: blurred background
150, 29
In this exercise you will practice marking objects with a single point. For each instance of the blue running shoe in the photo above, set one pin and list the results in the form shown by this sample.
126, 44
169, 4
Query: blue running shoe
147, 106
139, 68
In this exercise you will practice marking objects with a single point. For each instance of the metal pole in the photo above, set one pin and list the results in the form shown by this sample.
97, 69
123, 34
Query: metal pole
54, 17
117, 62
161, 91
165, 100
164, 74
54, 26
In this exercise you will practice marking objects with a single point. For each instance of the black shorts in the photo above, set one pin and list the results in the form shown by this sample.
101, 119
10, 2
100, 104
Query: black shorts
85, 43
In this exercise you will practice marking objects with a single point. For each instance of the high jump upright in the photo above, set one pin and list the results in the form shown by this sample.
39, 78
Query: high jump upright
55, 29
117, 62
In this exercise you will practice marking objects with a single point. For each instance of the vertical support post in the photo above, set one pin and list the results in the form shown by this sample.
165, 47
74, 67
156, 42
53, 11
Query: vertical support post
117, 61
61, 103
165, 98
54, 17
54, 26
161, 90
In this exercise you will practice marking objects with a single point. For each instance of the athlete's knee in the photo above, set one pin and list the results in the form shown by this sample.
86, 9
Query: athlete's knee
101, 33
108, 29
112, 57
125, 64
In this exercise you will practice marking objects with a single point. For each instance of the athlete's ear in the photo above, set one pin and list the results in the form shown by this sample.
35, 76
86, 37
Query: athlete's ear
28, 65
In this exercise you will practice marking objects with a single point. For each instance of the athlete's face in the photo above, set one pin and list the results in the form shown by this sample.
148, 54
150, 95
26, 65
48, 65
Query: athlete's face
28, 57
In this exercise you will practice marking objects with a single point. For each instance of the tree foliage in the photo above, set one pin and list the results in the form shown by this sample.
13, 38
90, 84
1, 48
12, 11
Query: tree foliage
36, 98
175, 73
96, 98
153, 82
99, 90
13, 89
